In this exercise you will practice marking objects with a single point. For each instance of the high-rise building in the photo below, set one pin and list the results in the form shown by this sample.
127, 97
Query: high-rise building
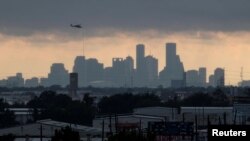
151, 64
129, 71
140, 56
140, 65
118, 72
89, 70
73, 84
170, 54
192, 78
94, 71
174, 70
108, 77
80, 69
211, 81
121, 74
202, 77
219, 77
58, 75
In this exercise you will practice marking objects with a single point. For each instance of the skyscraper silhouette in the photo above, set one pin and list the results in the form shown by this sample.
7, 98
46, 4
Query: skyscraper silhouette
73, 84
140, 65
151, 71
118, 71
94, 70
202, 77
80, 68
192, 78
58, 75
129, 71
219, 77
211, 81
174, 70
140, 55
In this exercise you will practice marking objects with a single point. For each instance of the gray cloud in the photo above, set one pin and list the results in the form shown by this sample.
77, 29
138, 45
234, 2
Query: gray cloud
26, 17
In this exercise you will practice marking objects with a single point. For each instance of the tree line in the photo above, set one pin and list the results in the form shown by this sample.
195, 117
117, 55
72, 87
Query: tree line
60, 107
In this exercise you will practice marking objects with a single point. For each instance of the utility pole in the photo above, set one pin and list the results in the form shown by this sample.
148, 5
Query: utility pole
41, 132
103, 130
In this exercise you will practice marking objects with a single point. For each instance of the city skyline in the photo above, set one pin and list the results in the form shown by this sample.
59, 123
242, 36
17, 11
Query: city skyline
147, 52
118, 70
125, 72
34, 35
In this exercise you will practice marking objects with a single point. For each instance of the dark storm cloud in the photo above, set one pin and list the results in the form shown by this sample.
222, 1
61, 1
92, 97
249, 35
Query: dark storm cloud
26, 17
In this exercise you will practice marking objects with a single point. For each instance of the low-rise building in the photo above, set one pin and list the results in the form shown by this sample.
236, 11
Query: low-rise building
46, 129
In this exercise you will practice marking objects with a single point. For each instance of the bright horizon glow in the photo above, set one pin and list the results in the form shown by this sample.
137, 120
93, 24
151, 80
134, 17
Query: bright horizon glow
34, 55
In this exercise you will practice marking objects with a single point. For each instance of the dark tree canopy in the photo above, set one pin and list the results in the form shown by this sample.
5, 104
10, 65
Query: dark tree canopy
66, 134
125, 103
217, 98
60, 107
7, 117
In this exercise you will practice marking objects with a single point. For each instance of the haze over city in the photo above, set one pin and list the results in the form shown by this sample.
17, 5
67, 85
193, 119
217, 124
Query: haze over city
35, 34
124, 70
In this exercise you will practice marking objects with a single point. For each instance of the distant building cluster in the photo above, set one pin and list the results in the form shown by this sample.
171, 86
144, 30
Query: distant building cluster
125, 73
13, 81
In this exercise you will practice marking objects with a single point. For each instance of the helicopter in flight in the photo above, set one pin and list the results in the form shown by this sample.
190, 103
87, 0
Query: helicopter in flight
76, 25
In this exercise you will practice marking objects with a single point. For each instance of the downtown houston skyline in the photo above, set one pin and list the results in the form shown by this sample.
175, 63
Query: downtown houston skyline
35, 34
125, 72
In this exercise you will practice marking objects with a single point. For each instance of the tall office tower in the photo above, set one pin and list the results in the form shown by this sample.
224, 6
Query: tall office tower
151, 64
170, 54
202, 77
192, 78
140, 65
73, 84
173, 72
94, 71
211, 81
129, 71
108, 76
121, 74
140, 56
219, 77
20, 79
80, 69
118, 72
58, 75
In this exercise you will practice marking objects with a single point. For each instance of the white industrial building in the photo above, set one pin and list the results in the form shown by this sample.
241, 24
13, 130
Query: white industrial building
169, 113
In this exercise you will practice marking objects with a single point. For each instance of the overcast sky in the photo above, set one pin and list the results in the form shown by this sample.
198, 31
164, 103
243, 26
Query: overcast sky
211, 33
22, 17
